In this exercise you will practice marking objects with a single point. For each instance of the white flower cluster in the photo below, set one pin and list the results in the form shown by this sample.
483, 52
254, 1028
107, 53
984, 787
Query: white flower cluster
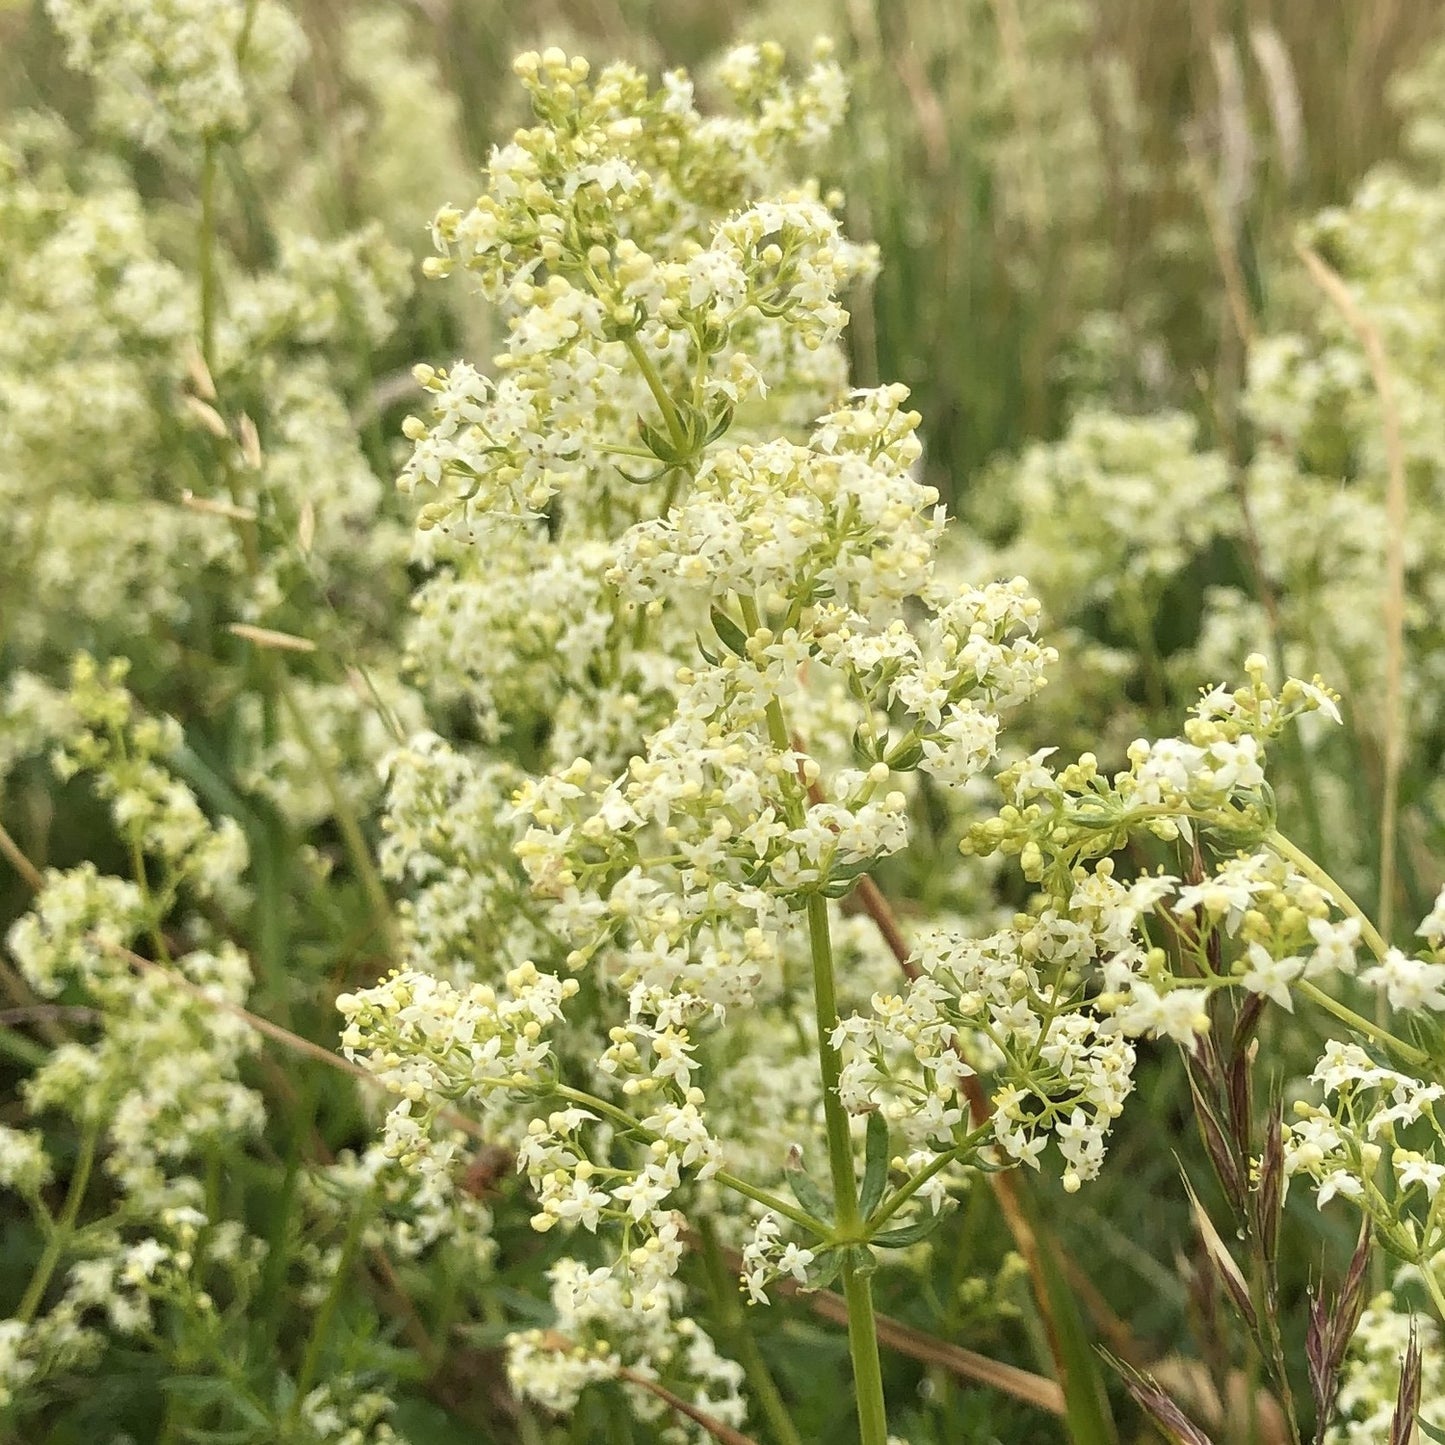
24, 1164
410, 1213
178, 70
446, 834
1342, 1147
841, 518
1211, 780
1370, 1383
154, 812
183, 512
634, 473
163, 1075
428, 1040
766, 1257
347, 1411
601, 1328
623, 196
1020, 1005
1137, 488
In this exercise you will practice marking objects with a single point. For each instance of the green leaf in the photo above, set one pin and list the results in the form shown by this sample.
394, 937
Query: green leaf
841, 880
808, 1195
875, 1164
212, 1390
863, 748
1088, 1418
906, 756
907, 1234
1430, 1432
657, 442
825, 1269
729, 633
721, 421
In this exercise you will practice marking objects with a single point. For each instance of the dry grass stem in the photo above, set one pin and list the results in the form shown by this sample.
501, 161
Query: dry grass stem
1372, 343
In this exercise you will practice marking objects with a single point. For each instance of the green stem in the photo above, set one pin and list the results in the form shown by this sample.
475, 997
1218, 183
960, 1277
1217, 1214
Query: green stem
1373, 939
900, 1196
778, 733
206, 258
1317, 875
825, 1005
863, 1346
660, 395
321, 1329
357, 849
61, 1235
857, 1291
1437, 1297
1408, 1053
21, 1049
725, 1296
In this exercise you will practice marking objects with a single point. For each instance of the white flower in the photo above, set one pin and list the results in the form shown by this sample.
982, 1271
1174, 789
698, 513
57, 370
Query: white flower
1408, 983
1272, 976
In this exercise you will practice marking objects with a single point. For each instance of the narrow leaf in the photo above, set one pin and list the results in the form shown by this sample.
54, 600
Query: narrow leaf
720, 423
808, 1195
863, 748
906, 756
875, 1164
657, 442
1225, 1268
907, 1234
729, 633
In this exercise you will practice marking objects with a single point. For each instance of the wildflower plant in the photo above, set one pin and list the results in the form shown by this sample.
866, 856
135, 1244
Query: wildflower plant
674, 310
695, 674
788, 660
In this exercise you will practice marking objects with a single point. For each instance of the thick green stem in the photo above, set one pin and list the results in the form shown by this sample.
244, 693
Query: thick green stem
857, 1291
1317, 875
1374, 940
1432, 1285
825, 1007
863, 1346
1407, 1053
64, 1229
660, 394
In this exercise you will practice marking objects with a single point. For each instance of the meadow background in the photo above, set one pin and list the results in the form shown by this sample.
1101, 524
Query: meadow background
1135, 390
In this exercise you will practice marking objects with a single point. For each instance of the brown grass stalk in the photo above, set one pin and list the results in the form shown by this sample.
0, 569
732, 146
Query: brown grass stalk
1332, 284
1022, 1385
